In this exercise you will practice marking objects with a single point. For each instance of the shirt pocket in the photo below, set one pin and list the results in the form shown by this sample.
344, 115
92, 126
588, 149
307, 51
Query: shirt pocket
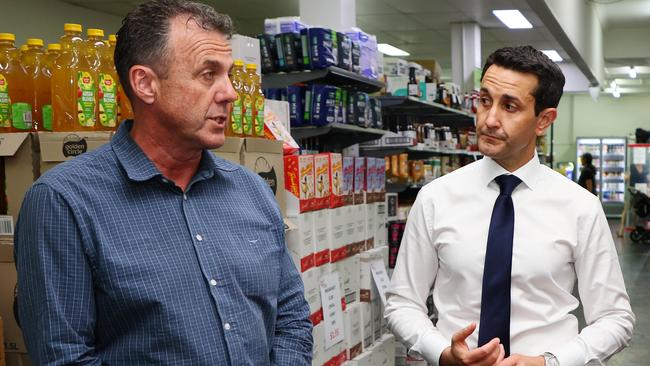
256, 264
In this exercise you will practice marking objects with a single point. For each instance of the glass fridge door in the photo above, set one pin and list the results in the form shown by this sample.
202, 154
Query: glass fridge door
613, 170
592, 146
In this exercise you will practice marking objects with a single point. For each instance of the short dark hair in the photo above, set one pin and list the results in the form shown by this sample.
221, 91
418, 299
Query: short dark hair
143, 36
588, 158
527, 59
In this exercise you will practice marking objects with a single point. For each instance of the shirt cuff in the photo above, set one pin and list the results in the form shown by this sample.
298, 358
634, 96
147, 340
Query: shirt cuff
430, 346
569, 354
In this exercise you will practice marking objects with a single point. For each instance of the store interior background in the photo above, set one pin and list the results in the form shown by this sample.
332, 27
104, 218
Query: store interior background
597, 38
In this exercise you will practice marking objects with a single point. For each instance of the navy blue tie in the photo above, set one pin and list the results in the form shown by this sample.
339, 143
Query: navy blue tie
495, 299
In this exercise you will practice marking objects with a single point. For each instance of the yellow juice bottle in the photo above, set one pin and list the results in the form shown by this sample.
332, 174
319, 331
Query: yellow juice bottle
64, 79
257, 95
124, 109
15, 106
44, 86
237, 112
21, 104
88, 80
247, 125
32, 60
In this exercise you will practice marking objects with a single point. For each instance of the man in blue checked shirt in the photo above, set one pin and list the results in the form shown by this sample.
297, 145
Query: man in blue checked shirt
151, 250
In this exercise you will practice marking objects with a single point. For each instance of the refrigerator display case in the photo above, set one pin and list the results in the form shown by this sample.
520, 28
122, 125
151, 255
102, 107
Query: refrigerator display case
609, 158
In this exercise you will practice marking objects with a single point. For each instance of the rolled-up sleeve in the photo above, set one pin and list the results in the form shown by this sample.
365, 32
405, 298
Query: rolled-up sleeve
55, 285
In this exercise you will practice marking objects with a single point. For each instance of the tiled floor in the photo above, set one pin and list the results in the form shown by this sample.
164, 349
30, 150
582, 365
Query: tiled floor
635, 264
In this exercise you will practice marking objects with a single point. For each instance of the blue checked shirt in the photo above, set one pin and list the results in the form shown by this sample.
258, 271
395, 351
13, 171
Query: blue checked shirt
118, 266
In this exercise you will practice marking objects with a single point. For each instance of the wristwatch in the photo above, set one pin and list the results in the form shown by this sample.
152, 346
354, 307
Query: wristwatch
550, 360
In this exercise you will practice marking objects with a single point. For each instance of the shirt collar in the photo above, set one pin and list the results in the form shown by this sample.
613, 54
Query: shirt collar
140, 168
528, 173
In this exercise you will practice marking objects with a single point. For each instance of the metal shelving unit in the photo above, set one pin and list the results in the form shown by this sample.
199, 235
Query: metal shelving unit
331, 76
426, 111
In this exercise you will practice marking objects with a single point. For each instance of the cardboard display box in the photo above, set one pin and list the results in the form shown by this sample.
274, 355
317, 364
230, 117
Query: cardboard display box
265, 158
321, 232
18, 152
246, 49
299, 184
13, 342
348, 180
352, 325
336, 180
322, 178
336, 228
231, 150
300, 241
57, 147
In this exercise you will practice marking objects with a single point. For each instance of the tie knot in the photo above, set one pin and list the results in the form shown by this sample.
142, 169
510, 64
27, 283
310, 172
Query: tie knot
507, 183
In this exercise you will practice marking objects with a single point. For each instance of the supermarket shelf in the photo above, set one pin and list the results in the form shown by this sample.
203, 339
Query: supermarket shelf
614, 169
330, 76
402, 187
614, 157
414, 106
615, 180
414, 152
338, 134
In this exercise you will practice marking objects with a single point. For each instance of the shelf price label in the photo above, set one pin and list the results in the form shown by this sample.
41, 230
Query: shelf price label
381, 278
330, 293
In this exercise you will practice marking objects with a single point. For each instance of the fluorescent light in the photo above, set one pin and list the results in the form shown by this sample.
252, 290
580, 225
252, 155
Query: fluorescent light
553, 55
389, 50
632, 72
513, 19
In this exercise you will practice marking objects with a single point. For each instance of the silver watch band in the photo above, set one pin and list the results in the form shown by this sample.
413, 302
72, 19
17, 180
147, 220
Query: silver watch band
550, 359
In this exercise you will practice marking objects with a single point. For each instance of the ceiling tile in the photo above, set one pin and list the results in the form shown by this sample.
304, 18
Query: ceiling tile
374, 7
389, 22
514, 35
424, 6
422, 36
386, 37
440, 21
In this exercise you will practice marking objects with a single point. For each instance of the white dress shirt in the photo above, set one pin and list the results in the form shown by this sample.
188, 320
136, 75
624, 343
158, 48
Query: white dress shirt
561, 235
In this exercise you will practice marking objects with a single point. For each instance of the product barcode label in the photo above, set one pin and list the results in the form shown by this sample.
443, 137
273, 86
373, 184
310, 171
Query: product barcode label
6, 225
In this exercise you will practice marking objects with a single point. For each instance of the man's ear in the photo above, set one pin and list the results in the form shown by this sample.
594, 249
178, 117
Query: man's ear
144, 83
544, 120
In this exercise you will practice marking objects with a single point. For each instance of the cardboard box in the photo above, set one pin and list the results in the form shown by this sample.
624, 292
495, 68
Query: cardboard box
57, 147
377, 315
367, 336
18, 359
348, 270
265, 158
337, 354
371, 185
321, 181
367, 290
321, 236
13, 336
352, 324
300, 241
384, 351
310, 280
348, 180
371, 213
359, 180
246, 49
381, 231
299, 184
364, 359
336, 180
335, 231
396, 85
18, 151
360, 235
231, 150
319, 354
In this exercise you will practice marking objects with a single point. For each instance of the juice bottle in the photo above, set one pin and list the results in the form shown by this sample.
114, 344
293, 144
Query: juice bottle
88, 80
32, 60
107, 91
257, 95
238, 79
44, 86
15, 99
124, 109
64, 79
247, 125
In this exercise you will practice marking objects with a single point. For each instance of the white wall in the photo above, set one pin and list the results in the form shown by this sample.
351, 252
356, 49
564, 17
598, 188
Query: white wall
44, 19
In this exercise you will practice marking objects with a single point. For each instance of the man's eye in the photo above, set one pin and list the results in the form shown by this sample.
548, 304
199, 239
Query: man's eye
510, 107
208, 75
485, 101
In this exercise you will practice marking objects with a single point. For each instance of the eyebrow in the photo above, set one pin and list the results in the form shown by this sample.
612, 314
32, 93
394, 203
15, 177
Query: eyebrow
504, 96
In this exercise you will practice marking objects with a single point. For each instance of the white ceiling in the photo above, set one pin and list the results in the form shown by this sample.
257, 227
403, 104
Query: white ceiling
422, 27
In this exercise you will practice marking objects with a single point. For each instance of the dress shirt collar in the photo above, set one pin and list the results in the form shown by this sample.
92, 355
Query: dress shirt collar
528, 173
140, 168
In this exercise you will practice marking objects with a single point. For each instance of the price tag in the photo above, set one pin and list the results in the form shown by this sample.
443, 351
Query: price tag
330, 294
638, 155
381, 278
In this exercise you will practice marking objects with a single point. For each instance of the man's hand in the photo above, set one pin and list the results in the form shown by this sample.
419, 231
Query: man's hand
458, 354
521, 360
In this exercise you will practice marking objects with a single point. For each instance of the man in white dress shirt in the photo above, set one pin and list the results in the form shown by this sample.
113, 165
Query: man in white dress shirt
558, 235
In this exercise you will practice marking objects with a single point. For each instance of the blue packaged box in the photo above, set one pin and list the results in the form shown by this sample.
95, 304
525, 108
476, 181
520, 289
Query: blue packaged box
324, 104
345, 51
323, 47
356, 57
361, 106
286, 49
307, 105
268, 53
296, 97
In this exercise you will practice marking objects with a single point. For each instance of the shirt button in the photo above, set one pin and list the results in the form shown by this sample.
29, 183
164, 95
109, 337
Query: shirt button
184, 196
165, 181
213, 282
226, 326
199, 237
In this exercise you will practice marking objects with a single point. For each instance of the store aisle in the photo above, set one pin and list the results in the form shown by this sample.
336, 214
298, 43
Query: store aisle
635, 263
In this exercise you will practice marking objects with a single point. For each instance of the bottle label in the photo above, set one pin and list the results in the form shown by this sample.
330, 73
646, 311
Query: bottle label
107, 101
85, 99
5, 103
236, 116
414, 90
259, 117
21, 113
248, 115
47, 117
